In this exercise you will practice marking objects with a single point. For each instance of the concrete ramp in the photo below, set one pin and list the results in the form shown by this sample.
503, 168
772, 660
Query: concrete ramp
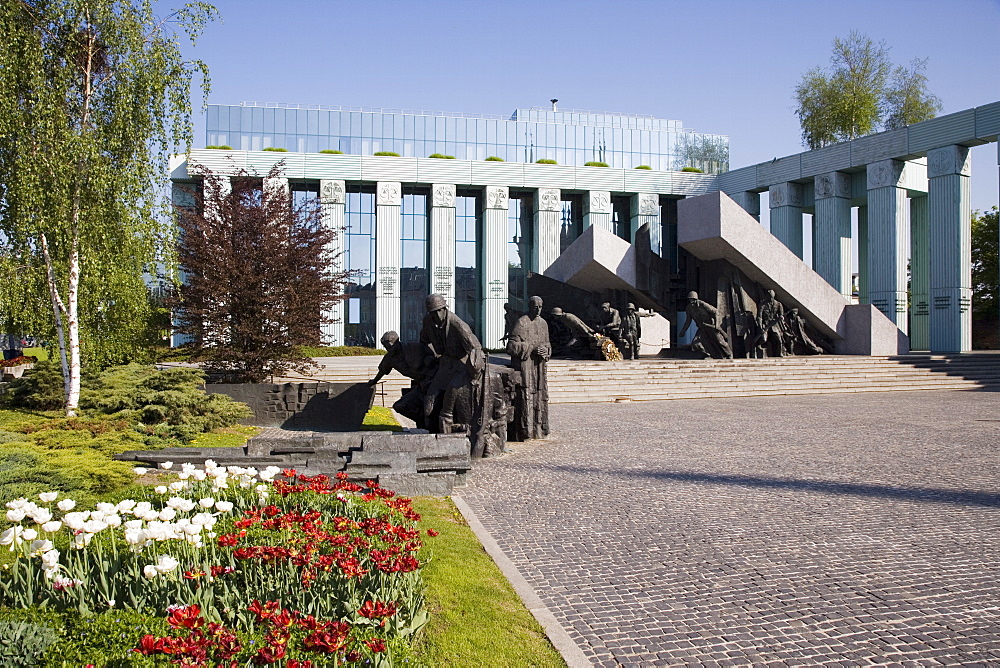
597, 260
714, 227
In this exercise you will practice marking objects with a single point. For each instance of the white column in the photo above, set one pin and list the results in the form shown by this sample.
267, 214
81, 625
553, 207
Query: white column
494, 272
332, 203
888, 241
388, 231
548, 210
645, 209
948, 199
832, 230
442, 241
863, 296
920, 274
749, 201
597, 210
785, 201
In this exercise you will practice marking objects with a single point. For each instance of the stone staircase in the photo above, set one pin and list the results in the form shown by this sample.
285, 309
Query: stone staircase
660, 379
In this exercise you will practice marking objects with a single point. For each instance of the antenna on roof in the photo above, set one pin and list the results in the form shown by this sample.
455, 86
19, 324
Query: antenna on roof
553, 101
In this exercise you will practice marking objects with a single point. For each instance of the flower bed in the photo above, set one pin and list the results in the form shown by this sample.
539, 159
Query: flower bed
19, 361
246, 566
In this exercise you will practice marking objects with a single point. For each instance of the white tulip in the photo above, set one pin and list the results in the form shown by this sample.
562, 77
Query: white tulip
166, 563
29, 534
167, 465
141, 507
51, 558
177, 486
160, 489
11, 535
75, 520
106, 507
82, 540
39, 546
168, 514
15, 515
192, 529
207, 502
186, 505
132, 525
66, 505
135, 536
150, 571
125, 506
184, 475
113, 520
202, 519
224, 506
210, 464
52, 527
42, 515
17, 503
140, 470
48, 497
187, 467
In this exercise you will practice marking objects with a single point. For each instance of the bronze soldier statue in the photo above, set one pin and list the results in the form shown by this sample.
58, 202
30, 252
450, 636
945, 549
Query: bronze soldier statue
459, 356
631, 331
410, 360
610, 324
770, 340
529, 350
583, 339
710, 339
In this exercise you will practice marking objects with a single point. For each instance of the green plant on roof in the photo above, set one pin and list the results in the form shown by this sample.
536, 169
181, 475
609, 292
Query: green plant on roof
441, 156
693, 169
276, 149
594, 163
222, 147
494, 158
546, 161
332, 151
390, 153
643, 167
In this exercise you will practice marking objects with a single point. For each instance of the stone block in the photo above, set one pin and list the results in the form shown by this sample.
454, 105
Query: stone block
867, 331
421, 445
419, 484
371, 464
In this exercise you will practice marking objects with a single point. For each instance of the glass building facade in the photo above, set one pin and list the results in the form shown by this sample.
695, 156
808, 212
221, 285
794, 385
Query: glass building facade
527, 135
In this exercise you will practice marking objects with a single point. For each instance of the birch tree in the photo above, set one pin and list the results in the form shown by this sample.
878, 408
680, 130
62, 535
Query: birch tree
94, 97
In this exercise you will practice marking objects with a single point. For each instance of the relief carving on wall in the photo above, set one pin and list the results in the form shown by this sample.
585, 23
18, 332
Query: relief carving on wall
548, 199
388, 194
496, 197
948, 160
649, 204
884, 174
331, 192
599, 201
443, 195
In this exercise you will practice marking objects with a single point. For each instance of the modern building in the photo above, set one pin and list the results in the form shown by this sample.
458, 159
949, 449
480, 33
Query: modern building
480, 231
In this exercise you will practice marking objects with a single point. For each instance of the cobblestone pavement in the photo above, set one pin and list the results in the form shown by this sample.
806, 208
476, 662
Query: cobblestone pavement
837, 530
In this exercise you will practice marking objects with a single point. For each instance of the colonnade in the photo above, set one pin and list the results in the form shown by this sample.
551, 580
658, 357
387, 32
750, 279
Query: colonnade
930, 239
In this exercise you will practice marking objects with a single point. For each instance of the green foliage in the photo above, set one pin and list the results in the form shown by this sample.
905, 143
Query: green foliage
277, 150
441, 156
380, 418
338, 351
546, 161
24, 643
222, 146
332, 151
860, 93
389, 153
692, 169
494, 158
94, 98
470, 601
643, 167
105, 639
985, 274
595, 163
40, 388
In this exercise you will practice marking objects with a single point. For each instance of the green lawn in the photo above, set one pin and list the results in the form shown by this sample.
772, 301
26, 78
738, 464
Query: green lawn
476, 618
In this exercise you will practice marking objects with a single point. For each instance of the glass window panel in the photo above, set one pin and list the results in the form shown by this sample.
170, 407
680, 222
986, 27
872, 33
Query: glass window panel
246, 119
268, 120
324, 123
212, 119
257, 119
366, 125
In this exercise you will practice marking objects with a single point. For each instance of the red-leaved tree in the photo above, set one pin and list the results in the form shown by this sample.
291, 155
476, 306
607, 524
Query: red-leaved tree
257, 275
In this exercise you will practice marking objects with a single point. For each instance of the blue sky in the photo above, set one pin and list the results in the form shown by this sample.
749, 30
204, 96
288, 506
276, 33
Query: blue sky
726, 67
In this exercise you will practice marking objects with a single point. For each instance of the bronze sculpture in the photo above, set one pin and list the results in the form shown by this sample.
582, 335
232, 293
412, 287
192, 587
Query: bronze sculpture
771, 336
459, 357
409, 359
529, 350
631, 331
710, 339
583, 339
800, 338
610, 324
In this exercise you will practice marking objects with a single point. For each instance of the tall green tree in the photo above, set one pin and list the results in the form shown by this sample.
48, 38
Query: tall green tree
985, 274
94, 97
861, 92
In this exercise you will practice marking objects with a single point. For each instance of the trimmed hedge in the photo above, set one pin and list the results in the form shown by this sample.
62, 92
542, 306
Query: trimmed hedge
494, 158
332, 151
389, 153
693, 169
643, 167
595, 163
222, 147
276, 149
441, 156
546, 161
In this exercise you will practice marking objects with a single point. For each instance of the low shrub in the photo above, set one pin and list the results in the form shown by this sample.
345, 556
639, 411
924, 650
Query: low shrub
338, 351
332, 151
595, 163
643, 167
693, 169
222, 147
389, 153
24, 643
40, 388
441, 156
276, 149
546, 161
494, 158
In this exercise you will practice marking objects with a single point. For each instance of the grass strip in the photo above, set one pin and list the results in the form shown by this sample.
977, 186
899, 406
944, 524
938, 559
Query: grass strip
476, 618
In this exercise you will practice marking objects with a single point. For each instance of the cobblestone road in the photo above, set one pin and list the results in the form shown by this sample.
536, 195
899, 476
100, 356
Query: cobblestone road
837, 530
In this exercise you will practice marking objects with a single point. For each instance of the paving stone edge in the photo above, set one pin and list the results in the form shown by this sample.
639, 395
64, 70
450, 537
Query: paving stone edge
570, 651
